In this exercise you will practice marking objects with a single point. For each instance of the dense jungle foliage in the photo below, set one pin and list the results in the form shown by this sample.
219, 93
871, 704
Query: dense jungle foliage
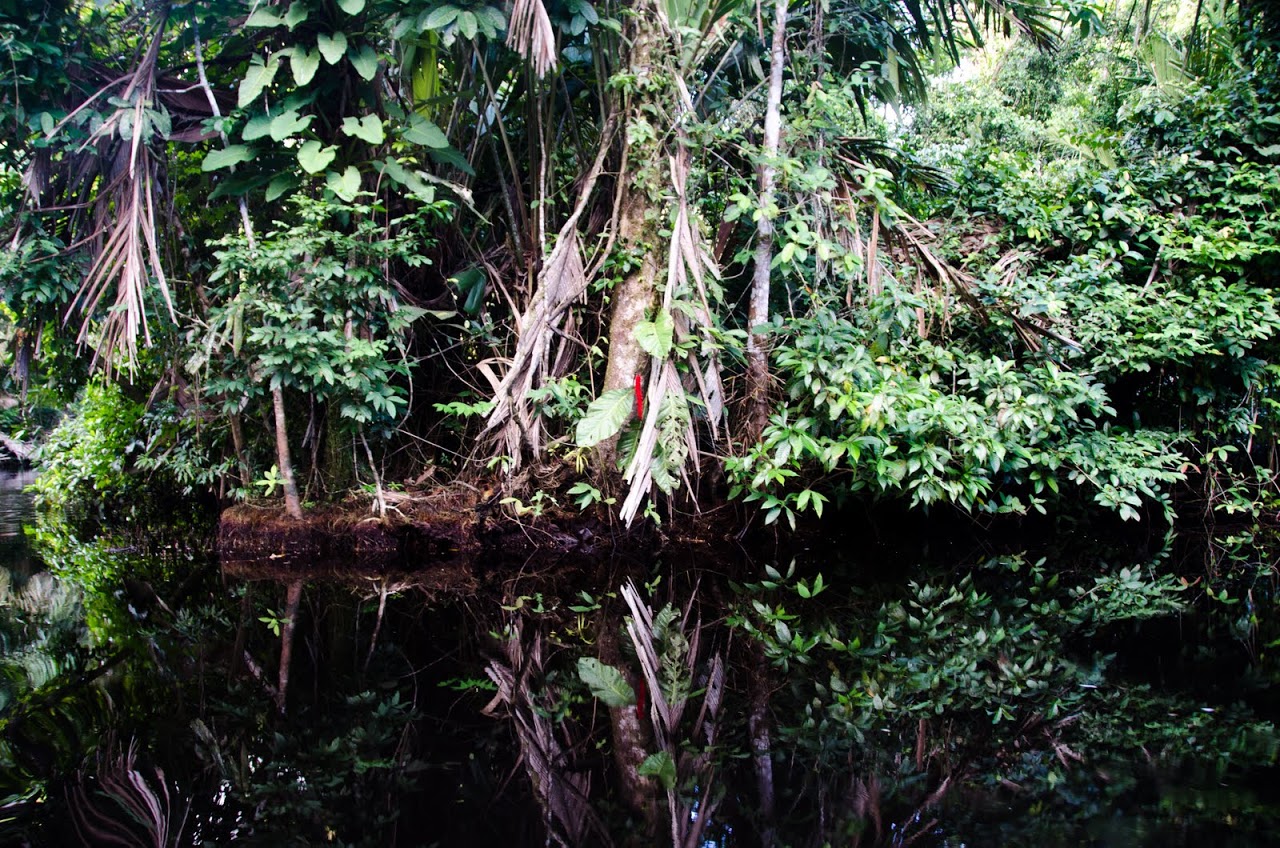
1007, 266
391, 244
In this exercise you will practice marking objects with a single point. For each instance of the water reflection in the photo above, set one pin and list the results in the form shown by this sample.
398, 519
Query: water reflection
691, 698
16, 511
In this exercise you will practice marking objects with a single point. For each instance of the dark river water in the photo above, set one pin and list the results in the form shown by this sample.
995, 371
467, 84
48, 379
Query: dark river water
928, 694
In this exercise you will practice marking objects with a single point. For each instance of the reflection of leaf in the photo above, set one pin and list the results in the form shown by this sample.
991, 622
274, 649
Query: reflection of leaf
225, 158
368, 128
606, 682
314, 158
332, 47
605, 417
661, 766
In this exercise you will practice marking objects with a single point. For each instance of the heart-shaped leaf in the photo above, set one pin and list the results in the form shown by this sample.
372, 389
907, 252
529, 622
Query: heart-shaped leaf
263, 17
258, 76
259, 126
351, 7
314, 158
346, 184
332, 47
225, 158
288, 123
304, 63
298, 12
364, 60
368, 128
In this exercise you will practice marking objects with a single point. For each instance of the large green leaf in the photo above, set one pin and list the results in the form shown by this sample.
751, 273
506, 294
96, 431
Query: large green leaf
304, 63
281, 184
332, 47
314, 158
661, 766
654, 337
467, 24
451, 156
263, 17
605, 417
225, 158
606, 682
409, 179
298, 12
364, 60
424, 132
346, 184
258, 76
368, 128
441, 17
259, 126
288, 123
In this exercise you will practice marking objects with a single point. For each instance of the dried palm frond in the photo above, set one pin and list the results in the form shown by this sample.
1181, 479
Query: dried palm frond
531, 35
689, 263
114, 175
562, 281
668, 645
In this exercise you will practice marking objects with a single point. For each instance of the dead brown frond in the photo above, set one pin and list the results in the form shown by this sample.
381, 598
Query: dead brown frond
114, 176
531, 35
561, 282
689, 264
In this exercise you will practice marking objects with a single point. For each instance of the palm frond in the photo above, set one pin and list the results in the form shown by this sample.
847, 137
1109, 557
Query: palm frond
531, 35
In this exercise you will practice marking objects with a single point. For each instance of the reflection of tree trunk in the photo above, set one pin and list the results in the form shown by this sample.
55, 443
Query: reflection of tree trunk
761, 750
758, 312
632, 740
286, 640
291, 503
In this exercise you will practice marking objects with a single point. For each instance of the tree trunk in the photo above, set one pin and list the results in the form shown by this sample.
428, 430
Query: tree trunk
291, 503
758, 312
641, 192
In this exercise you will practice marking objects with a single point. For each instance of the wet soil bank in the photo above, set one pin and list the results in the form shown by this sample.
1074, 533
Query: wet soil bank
257, 541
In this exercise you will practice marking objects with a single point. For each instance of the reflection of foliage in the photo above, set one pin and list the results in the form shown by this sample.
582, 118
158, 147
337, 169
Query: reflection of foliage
40, 633
976, 681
